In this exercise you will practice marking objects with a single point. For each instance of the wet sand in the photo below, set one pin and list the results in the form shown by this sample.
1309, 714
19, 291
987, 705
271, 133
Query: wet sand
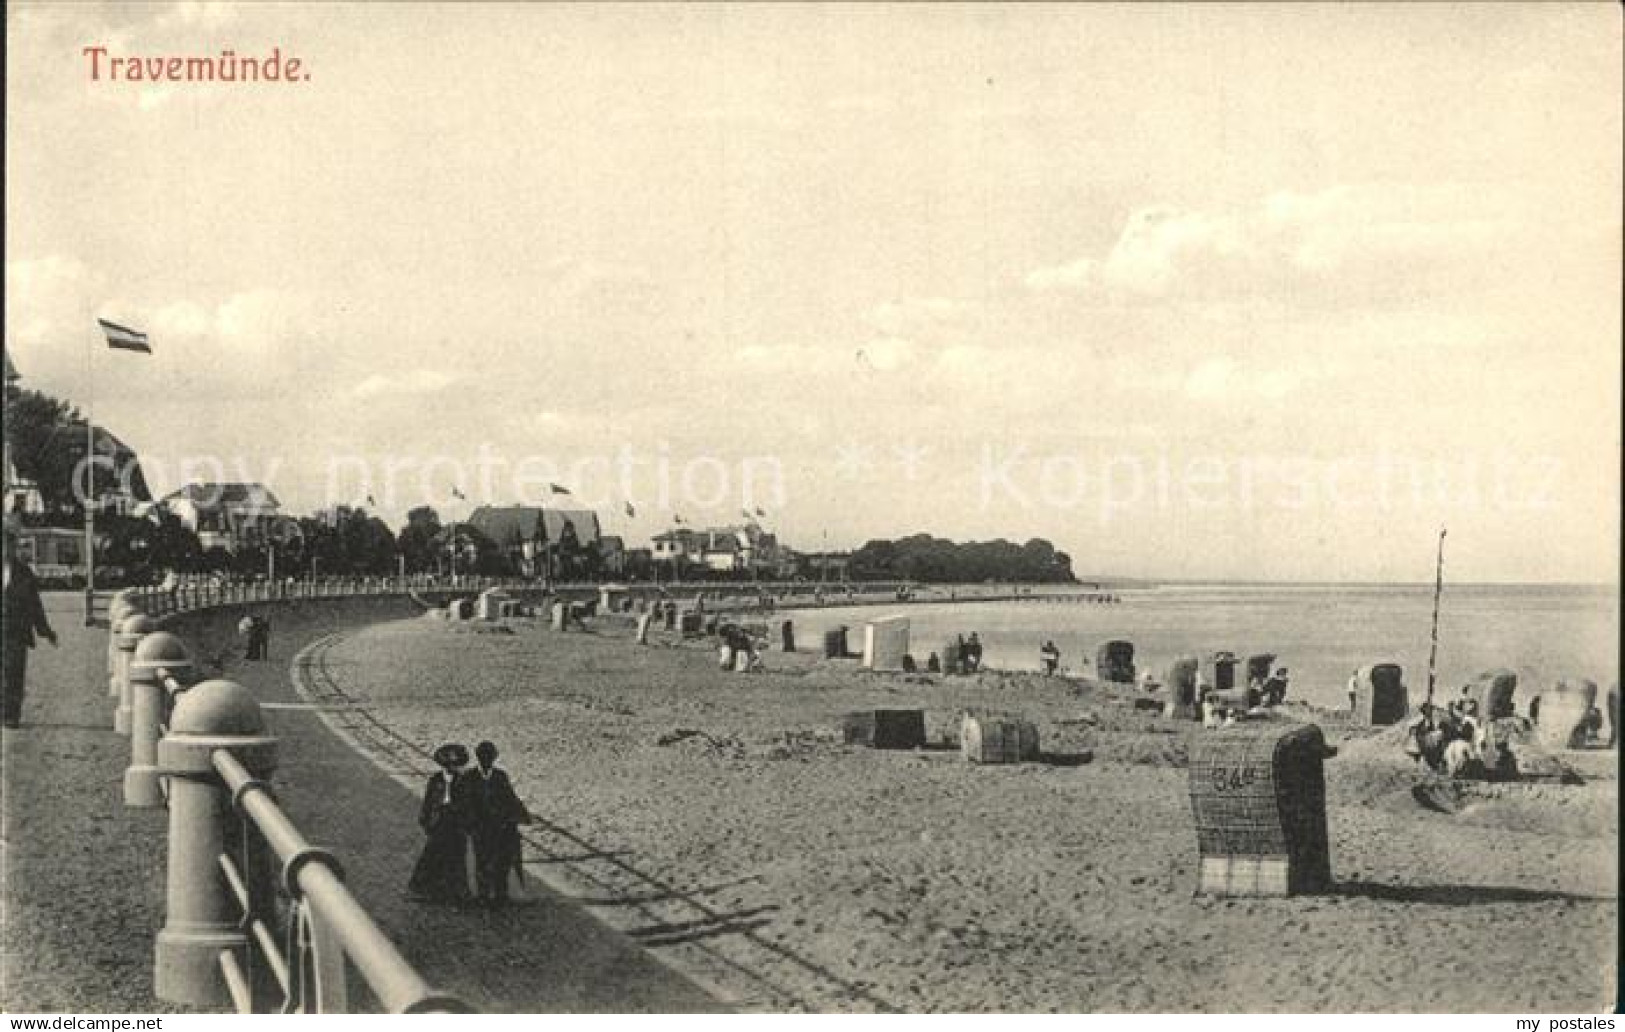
719, 819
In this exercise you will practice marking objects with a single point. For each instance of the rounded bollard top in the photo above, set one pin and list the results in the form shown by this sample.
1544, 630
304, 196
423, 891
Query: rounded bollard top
136, 625
160, 648
217, 708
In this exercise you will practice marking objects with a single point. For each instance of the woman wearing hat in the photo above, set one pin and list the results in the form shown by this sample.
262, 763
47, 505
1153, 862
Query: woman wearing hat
496, 813
441, 873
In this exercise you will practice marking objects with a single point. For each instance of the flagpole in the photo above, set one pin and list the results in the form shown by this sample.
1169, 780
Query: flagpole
1438, 588
90, 483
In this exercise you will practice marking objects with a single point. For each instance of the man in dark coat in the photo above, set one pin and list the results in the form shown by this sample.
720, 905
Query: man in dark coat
495, 814
24, 619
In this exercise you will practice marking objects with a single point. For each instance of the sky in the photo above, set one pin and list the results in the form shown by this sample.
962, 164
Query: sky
1193, 291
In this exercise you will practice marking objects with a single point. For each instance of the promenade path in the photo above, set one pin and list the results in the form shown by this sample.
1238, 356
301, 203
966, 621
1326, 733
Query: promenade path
81, 875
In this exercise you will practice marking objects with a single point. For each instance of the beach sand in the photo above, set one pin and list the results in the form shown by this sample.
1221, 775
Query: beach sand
719, 819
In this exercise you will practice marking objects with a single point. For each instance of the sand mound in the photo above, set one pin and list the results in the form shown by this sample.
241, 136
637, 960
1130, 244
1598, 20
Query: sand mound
1547, 809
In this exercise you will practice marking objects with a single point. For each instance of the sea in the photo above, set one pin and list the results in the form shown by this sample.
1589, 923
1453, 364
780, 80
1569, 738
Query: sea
1320, 633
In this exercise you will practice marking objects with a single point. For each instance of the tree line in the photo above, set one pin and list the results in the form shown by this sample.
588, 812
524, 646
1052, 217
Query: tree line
934, 560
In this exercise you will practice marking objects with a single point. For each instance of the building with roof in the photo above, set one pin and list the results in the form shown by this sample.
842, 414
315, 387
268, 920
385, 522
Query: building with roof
542, 541
739, 551
230, 516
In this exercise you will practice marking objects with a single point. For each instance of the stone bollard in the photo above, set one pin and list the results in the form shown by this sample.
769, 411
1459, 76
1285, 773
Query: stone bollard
202, 916
115, 622
159, 655
131, 631
120, 605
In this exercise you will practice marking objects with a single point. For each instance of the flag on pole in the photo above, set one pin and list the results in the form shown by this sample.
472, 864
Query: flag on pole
371, 502
629, 510
745, 513
458, 494
123, 338
556, 489
760, 513
676, 517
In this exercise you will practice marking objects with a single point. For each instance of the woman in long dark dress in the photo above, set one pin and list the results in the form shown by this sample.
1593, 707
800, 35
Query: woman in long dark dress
441, 873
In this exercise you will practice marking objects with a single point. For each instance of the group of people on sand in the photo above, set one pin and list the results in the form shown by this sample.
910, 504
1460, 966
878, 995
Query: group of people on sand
736, 649
1263, 693
964, 657
1455, 740
466, 807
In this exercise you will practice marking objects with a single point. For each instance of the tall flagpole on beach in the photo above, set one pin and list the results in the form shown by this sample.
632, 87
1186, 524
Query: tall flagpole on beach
1438, 589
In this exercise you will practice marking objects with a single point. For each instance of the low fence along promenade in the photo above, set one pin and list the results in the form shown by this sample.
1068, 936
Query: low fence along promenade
256, 917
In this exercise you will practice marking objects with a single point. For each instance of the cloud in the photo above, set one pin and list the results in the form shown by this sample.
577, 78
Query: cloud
207, 13
914, 314
885, 354
233, 348
1347, 244
1071, 276
416, 382
45, 296
861, 103
875, 355
1223, 379
154, 96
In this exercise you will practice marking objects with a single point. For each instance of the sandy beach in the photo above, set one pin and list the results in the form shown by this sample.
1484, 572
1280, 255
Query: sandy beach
720, 820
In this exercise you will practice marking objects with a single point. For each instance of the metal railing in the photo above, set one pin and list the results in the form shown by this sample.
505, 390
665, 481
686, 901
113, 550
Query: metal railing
325, 925
257, 918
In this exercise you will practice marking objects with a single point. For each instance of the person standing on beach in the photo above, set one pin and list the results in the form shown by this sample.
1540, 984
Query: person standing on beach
24, 620
1275, 687
441, 873
495, 816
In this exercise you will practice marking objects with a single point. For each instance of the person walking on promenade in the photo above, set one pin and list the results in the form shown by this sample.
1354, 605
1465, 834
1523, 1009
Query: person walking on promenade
1051, 657
973, 654
441, 873
495, 816
257, 631
24, 618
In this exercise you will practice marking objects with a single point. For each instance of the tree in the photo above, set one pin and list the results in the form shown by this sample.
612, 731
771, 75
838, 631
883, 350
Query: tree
928, 559
47, 439
32, 425
368, 544
174, 547
416, 540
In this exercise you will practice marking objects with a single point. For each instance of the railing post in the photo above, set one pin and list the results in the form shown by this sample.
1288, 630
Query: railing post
202, 917
117, 613
159, 655
131, 630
